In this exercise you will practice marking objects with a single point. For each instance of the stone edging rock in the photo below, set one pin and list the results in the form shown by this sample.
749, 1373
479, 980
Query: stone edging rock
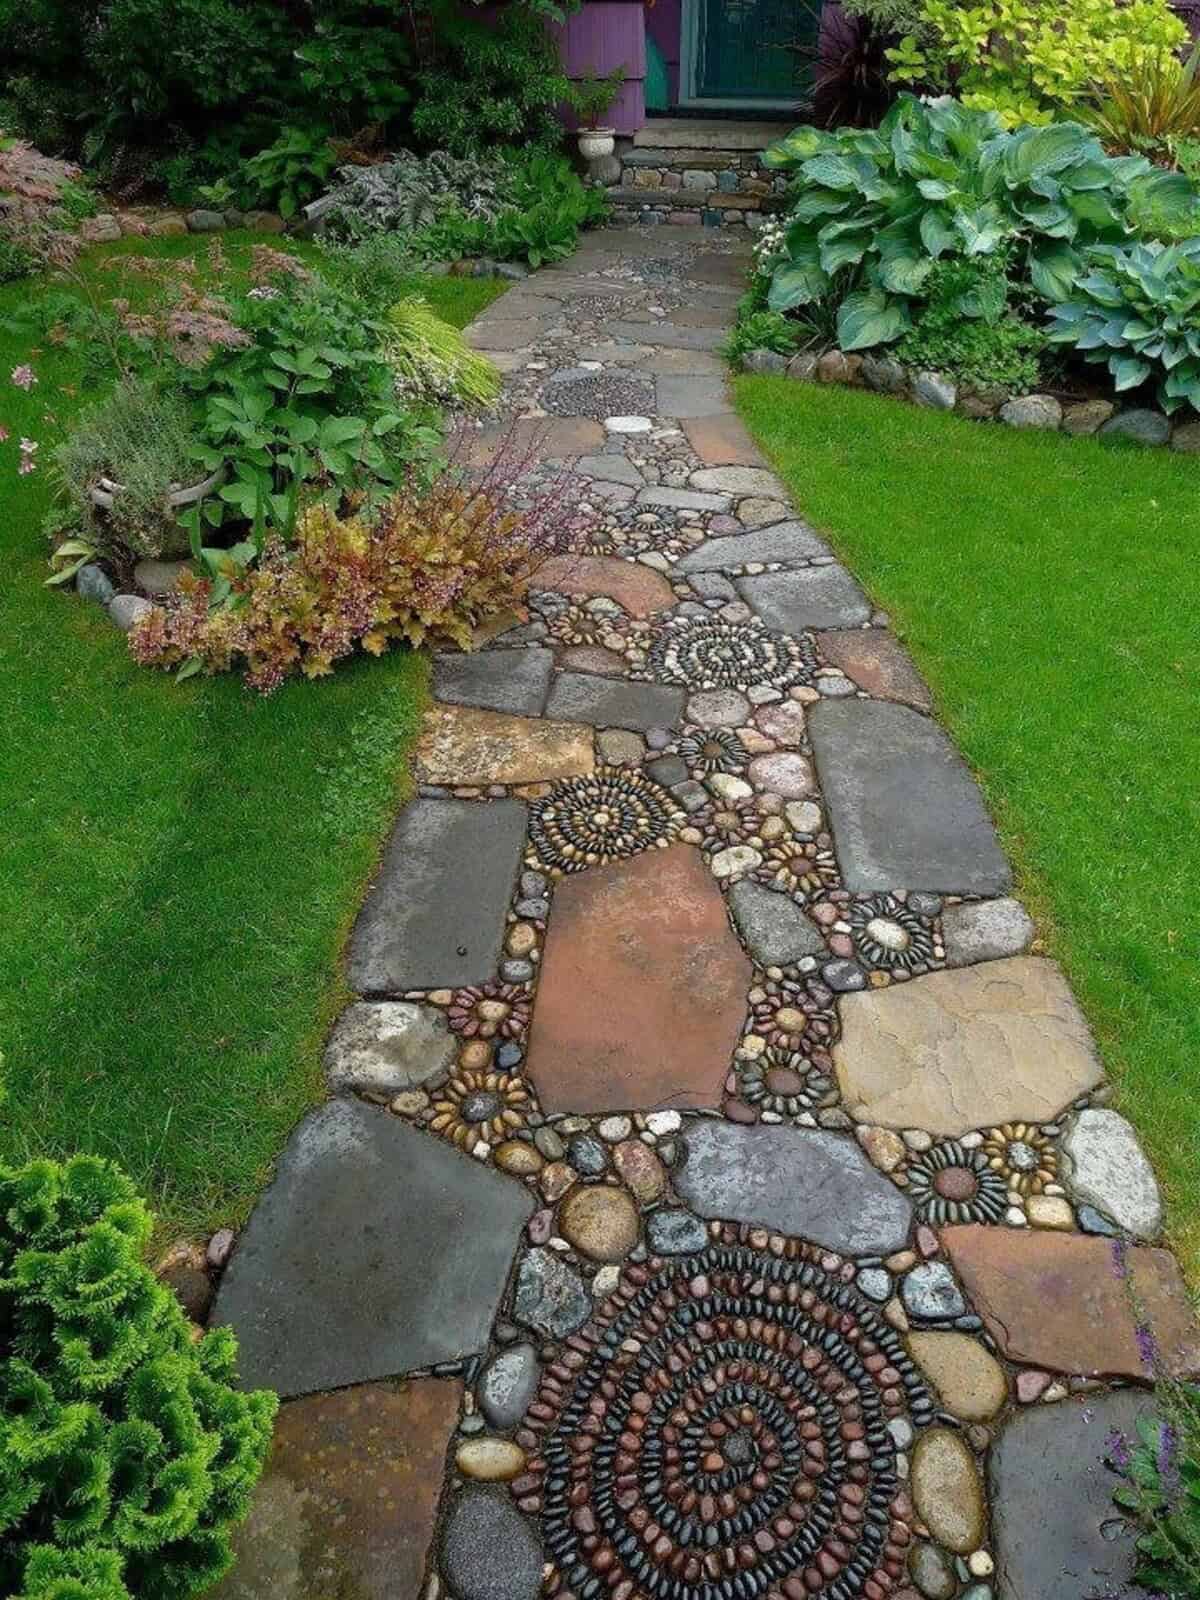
937, 391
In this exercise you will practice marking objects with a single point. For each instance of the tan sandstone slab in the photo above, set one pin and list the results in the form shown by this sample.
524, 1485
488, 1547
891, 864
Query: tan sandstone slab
968, 1378
999, 1042
638, 589
462, 745
643, 988
877, 662
723, 441
346, 1506
1066, 1301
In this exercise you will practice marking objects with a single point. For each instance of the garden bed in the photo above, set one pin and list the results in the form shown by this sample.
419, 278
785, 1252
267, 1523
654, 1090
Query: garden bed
184, 860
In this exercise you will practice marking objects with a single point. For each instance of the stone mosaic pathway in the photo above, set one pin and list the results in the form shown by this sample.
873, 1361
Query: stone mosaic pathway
718, 1198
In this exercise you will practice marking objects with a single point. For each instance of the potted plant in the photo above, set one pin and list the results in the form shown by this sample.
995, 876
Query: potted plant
128, 468
591, 98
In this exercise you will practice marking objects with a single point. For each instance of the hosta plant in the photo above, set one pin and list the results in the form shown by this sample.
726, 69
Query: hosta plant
126, 1454
1136, 311
938, 181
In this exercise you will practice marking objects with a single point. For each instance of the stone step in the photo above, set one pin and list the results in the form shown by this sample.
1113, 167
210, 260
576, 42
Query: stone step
709, 133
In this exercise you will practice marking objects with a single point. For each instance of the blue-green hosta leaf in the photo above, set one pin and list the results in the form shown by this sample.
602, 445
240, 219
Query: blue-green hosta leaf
1128, 371
1173, 352
937, 233
1049, 217
1054, 269
982, 230
1033, 152
832, 172
1172, 196
814, 203
845, 250
797, 282
936, 188
1095, 211
868, 318
904, 263
800, 145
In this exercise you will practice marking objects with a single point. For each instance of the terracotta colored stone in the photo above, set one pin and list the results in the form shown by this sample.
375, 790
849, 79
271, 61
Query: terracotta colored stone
878, 663
643, 988
639, 589
348, 1500
463, 745
722, 441
970, 1048
1056, 1300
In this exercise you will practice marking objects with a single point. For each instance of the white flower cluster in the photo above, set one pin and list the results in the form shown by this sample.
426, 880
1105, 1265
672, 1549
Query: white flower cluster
768, 243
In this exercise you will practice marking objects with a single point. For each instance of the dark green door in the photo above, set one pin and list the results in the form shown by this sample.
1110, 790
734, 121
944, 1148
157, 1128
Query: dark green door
745, 49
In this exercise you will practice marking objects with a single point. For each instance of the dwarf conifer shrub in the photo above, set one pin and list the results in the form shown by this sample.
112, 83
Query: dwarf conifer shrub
125, 1452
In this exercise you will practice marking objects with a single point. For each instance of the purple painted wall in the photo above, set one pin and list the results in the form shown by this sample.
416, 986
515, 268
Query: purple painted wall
602, 35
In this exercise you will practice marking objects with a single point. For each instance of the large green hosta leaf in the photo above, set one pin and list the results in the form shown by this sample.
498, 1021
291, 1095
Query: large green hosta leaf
1038, 152
1054, 269
868, 318
800, 278
800, 145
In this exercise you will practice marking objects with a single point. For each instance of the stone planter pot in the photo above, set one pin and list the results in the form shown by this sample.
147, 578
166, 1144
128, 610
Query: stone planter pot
595, 143
104, 492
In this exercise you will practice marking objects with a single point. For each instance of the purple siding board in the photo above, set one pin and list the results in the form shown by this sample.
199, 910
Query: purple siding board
602, 35
664, 24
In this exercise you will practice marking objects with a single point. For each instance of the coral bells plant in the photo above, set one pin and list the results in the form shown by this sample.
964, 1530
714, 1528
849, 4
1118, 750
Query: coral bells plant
426, 565
125, 1452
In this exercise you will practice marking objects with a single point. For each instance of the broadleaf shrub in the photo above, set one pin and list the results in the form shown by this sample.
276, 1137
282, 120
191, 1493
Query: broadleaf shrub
1031, 60
126, 1454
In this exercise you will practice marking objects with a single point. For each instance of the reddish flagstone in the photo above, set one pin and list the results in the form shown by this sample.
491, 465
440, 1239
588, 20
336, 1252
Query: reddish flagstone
348, 1500
1059, 1300
723, 441
877, 662
643, 988
640, 590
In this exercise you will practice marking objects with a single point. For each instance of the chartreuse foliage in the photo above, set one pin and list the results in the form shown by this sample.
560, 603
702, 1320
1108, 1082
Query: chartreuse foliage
125, 1452
1137, 311
1030, 60
876, 210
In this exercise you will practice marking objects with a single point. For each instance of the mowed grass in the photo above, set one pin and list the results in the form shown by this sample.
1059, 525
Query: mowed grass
179, 864
1049, 589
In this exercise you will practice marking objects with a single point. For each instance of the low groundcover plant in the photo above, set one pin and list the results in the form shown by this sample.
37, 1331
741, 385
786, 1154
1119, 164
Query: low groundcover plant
126, 1454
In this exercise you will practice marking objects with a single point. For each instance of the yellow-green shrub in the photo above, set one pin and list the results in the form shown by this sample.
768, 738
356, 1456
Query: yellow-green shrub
1031, 59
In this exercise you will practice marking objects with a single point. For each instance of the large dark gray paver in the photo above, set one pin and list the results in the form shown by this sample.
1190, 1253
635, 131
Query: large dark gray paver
814, 597
613, 702
796, 1180
905, 812
1057, 1530
494, 680
781, 541
667, 335
435, 916
377, 1250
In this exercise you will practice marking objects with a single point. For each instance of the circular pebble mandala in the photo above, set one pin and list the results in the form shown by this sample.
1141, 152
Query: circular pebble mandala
888, 935
612, 813
706, 653
719, 1431
951, 1183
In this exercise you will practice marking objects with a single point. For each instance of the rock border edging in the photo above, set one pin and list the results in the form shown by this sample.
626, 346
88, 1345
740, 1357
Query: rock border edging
937, 391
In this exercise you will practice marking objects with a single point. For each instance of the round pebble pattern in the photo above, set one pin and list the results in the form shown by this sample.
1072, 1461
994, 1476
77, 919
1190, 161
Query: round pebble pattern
609, 815
707, 653
719, 1431
950, 1183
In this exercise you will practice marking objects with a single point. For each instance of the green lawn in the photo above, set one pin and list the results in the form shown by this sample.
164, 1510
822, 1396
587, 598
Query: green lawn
179, 865
1049, 588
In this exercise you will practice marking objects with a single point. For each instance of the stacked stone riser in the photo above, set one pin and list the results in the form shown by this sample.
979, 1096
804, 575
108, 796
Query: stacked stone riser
718, 188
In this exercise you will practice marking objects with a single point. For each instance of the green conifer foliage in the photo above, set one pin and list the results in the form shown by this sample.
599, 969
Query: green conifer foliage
125, 1452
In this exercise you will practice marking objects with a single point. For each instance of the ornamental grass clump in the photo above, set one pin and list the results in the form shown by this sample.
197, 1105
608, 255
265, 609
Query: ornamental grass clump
126, 1454
433, 362
426, 565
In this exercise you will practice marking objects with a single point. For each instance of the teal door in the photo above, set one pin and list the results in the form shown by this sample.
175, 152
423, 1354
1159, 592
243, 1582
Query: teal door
745, 50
